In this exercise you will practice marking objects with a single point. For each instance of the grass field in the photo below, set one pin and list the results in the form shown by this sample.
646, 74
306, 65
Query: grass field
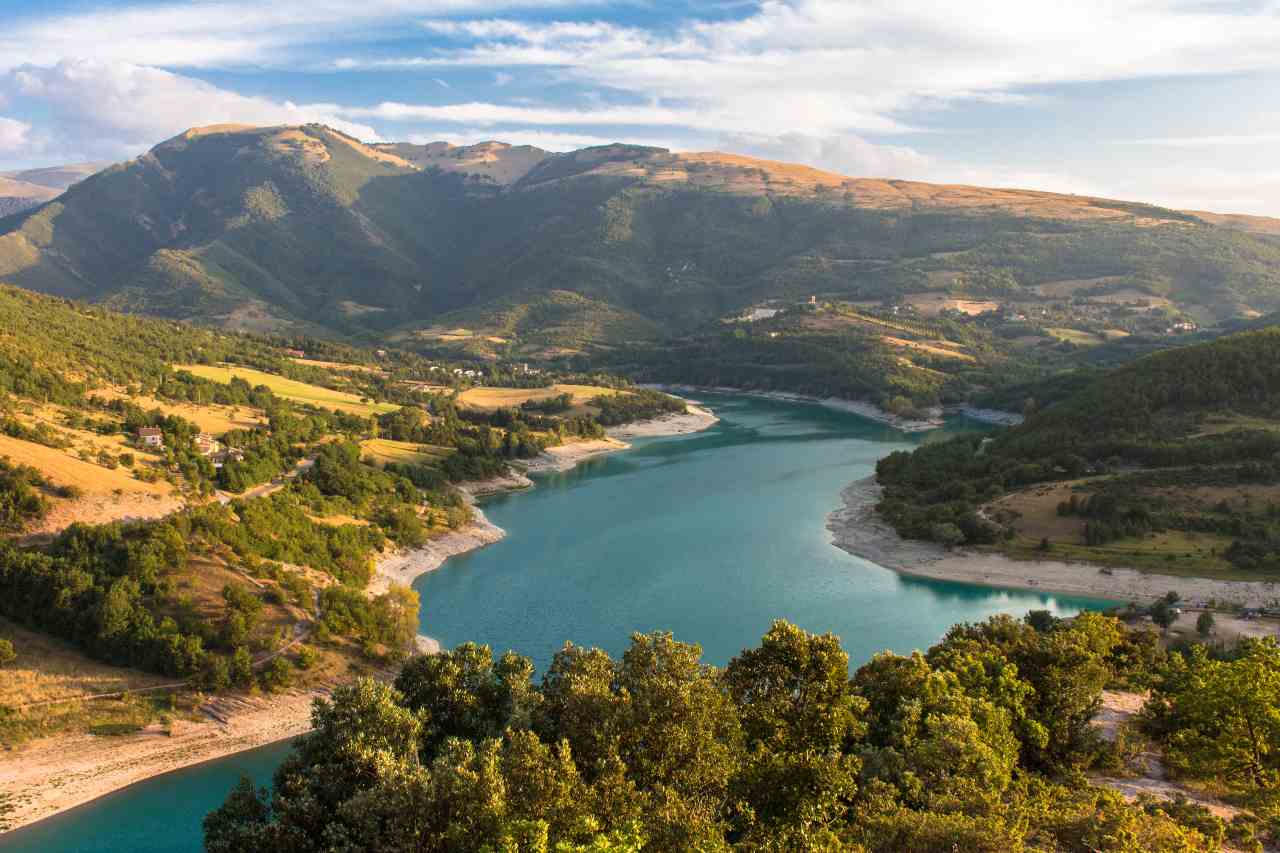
1230, 422
339, 366
1075, 336
211, 419
1173, 552
384, 450
507, 398
930, 348
290, 389
63, 468
48, 670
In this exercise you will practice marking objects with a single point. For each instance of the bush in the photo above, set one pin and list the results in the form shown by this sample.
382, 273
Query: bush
241, 667
1205, 624
277, 675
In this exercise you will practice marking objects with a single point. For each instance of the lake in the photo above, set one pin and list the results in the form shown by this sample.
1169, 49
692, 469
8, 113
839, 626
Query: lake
710, 536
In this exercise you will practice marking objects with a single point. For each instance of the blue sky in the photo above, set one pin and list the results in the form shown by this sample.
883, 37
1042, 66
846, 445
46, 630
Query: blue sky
1171, 101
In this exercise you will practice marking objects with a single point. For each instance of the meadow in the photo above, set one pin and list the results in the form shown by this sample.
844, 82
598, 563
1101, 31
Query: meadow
290, 389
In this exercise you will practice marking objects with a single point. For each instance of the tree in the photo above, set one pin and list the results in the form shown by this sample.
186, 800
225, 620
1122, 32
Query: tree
946, 534
800, 719
7, 653
462, 693
1041, 620
781, 750
1163, 615
1205, 624
277, 675
241, 666
1221, 719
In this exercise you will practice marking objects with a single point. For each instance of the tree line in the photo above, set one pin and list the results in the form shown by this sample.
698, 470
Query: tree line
978, 744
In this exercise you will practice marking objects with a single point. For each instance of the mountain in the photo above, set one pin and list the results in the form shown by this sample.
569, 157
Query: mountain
28, 188
514, 249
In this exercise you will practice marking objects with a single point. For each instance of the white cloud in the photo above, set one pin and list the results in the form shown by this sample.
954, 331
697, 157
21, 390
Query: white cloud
220, 32
845, 155
549, 140
114, 109
483, 113
14, 136
832, 67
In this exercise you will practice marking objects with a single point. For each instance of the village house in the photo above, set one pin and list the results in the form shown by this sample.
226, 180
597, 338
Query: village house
206, 444
295, 353
232, 454
150, 437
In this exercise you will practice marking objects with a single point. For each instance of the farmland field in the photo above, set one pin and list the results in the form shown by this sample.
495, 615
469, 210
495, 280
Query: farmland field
290, 389
384, 450
506, 398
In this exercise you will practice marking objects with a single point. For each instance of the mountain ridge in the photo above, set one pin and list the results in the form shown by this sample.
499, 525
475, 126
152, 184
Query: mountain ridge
306, 227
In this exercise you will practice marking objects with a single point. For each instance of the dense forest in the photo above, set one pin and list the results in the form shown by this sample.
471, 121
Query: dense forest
1199, 416
979, 744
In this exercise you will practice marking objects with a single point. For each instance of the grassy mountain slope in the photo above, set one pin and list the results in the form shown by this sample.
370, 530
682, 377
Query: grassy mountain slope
1172, 462
262, 227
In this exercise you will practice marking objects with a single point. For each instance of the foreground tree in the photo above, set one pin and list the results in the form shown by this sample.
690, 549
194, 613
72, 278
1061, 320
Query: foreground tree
656, 751
1221, 719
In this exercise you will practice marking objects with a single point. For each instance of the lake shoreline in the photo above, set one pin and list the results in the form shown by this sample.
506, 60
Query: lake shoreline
49, 777
84, 771
857, 529
932, 420
404, 567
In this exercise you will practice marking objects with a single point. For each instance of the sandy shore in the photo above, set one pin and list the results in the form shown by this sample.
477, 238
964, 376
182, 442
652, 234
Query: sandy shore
52, 775
858, 407
403, 567
856, 528
566, 456
695, 419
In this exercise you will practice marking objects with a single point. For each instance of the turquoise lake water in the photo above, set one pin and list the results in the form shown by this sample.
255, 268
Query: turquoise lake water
710, 536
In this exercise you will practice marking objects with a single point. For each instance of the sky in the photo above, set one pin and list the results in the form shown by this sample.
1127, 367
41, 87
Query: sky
1174, 102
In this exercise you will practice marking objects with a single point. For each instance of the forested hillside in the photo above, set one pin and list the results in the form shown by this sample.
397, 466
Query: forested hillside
210, 506
1183, 441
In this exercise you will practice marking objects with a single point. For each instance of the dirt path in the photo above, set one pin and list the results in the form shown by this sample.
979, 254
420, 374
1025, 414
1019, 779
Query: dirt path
1149, 777
269, 488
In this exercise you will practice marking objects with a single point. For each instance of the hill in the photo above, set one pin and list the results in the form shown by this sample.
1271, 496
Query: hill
23, 189
1169, 463
307, 228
